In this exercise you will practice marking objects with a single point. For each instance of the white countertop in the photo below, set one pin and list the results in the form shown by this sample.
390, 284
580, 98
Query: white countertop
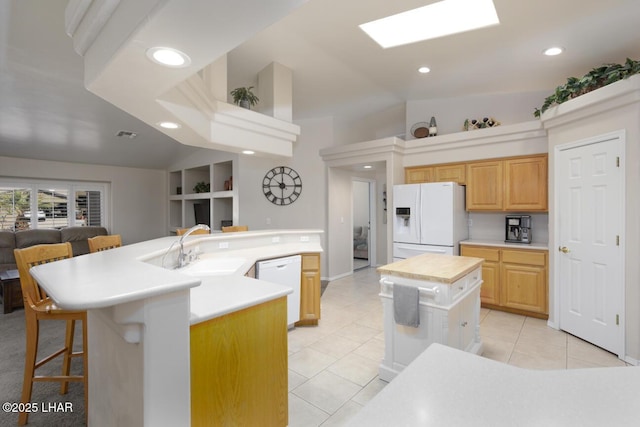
448, 387
134, 272
502, 244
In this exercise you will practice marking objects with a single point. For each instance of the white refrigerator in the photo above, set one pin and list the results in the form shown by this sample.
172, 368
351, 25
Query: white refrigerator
428, 218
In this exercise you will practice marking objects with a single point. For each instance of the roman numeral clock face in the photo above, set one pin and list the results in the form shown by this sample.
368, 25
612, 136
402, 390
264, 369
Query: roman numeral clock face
282, 185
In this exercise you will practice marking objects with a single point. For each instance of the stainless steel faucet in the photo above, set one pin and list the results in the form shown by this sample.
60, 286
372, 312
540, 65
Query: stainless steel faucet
182, 257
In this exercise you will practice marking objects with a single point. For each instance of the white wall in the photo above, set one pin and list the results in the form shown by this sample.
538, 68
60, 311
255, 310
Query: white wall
340, 245
383, 124
450, 113
360, 203
490, 226
138, 196
310, 209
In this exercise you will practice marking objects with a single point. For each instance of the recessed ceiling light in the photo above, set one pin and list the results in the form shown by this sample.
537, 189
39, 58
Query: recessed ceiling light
248, 152
169, 125
424, 70
367, 166
168, 57
553, 51
432, 21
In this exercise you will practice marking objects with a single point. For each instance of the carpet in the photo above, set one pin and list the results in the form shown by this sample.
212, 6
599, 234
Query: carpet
46, 395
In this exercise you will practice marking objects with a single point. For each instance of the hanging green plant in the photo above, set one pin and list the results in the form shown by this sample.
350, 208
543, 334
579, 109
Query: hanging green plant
594, 79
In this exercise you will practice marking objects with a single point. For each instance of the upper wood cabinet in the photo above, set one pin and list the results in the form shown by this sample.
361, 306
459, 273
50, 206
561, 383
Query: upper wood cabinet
513, 184
525, 184
418, 174
517, 184
485, 186
451, 172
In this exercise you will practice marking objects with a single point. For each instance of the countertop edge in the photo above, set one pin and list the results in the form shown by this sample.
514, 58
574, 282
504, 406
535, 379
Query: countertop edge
387, 270
501, 244
87, 282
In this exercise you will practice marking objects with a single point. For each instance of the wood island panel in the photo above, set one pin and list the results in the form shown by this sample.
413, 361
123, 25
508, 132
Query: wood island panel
239, 368
437, 268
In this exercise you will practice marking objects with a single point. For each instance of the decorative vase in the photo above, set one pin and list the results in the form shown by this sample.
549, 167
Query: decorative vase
433, 128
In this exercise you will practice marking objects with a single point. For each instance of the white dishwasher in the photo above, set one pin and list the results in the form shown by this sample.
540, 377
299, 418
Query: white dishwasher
284, 271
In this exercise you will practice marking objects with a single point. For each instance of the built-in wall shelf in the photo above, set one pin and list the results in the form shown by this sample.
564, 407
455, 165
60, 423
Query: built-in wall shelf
188, 207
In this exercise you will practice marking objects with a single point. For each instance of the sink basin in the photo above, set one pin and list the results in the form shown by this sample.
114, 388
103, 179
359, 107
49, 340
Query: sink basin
218, 266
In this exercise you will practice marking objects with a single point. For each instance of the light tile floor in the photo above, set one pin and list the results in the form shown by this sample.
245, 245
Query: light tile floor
333, 368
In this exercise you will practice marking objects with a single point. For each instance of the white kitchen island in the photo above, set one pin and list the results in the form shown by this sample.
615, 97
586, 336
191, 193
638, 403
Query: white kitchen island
449, 307
143, 314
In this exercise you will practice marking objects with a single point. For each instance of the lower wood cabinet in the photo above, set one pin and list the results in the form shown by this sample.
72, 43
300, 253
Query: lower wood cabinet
514, 280
310, 290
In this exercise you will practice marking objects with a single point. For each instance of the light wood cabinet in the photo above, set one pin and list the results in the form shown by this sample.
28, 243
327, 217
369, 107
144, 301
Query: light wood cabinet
485, 186
516, 184
418, 174
525, 184
514, 280
310, 290
490, 290
450, 172
239, 367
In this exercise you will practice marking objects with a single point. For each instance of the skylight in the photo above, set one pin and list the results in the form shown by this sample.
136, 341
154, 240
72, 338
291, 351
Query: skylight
432, 21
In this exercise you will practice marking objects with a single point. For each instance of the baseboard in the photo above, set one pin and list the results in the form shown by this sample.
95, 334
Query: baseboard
339, 276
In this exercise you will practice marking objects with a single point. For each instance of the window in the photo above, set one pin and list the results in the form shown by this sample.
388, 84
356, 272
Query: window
30, 204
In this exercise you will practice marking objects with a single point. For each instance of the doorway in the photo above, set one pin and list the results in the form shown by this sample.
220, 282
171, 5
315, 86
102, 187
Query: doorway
363, 192
590, 216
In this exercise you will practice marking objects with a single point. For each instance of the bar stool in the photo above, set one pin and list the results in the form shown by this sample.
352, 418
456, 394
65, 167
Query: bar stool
234, 228
102, 243
181, 231
38, 307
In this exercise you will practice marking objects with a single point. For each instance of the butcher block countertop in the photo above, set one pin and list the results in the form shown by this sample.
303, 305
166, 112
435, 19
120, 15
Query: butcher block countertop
431, 267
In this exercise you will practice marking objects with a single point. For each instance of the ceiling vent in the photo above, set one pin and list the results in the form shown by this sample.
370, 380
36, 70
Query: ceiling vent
126, 133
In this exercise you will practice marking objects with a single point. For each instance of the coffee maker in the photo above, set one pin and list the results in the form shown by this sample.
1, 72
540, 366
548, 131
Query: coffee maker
518, 229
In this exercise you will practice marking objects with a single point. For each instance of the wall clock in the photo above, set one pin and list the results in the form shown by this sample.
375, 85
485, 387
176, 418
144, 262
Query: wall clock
282, 185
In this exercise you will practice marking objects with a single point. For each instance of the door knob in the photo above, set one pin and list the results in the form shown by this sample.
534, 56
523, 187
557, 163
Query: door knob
564, 249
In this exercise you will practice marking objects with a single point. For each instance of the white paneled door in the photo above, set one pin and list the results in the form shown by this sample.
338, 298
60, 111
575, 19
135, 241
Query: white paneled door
590, 212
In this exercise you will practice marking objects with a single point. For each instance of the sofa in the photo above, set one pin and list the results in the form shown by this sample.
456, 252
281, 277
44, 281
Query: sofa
10, 240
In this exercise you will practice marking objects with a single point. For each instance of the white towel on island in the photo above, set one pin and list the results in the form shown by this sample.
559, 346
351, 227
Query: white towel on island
406, 305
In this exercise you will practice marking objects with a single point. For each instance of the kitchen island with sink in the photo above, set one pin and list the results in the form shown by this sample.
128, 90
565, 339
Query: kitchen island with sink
187, 346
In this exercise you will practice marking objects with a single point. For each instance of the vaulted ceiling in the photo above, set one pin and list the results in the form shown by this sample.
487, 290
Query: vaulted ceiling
46, 112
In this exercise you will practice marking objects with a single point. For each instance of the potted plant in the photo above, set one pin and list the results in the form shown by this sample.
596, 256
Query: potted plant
594, 79
243, 97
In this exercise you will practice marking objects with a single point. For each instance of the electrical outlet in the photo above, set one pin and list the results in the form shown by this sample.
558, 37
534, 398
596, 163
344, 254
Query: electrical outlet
304, 238
268, 221
469, 222
275, 239
223, 245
